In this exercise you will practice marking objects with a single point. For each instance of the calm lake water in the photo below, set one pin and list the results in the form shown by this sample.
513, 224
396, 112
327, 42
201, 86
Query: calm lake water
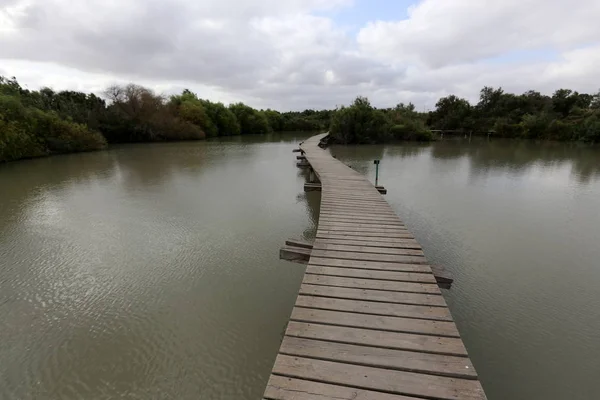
152, 271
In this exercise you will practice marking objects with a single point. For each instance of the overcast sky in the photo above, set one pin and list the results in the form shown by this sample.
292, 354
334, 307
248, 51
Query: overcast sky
297, 54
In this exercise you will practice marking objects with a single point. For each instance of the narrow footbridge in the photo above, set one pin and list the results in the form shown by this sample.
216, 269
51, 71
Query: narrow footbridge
370, 322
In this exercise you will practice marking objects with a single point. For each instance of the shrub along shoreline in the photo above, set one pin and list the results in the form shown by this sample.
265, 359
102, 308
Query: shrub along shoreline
564, 116
44, 122
37, 123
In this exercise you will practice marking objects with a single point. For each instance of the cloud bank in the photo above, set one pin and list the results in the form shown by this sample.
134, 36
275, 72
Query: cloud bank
298, 54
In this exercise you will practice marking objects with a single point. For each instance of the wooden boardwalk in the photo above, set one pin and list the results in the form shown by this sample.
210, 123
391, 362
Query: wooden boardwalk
369, 322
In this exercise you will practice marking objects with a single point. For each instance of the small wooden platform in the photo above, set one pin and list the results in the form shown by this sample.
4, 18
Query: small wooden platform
370, 322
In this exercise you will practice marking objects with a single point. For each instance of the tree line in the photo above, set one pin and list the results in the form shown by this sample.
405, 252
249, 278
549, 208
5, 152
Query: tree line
35, 123
565, 116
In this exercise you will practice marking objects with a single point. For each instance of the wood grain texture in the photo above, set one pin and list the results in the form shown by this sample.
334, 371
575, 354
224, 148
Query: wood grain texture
369, 274
381, 296
460, 367
322, 245
285, 388
397, 382
373, 284
377, 322
410, 266
374, 308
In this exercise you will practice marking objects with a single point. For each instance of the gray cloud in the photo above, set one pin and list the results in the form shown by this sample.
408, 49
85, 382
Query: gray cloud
280, 54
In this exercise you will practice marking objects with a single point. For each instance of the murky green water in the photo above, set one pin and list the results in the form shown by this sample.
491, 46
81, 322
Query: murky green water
152, 271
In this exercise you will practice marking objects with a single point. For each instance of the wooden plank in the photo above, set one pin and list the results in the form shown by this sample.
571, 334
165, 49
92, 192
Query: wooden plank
382, 339
348, 255
435, 364
373, 284
397, 244
338, 220
374, 207
374, 308
321, 245
390, 381
324, 231
377, 322
366, 239
370, 274
354, 227
352, 211
373, 295
348, 207
375, 203
298, 243
284, 388
358, 216
441, 274
384, 266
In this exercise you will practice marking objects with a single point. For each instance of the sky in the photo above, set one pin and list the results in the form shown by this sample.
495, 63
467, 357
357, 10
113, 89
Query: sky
298, 54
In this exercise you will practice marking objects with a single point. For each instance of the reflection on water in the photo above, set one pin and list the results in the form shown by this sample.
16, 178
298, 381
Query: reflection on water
517, 224
152, 271
148, 271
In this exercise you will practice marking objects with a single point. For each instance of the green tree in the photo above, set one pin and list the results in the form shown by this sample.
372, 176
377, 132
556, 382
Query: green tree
251, 121
360, 123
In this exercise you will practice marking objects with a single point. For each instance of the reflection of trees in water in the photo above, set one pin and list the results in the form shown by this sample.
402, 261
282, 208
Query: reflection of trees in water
359, 157
312, 202
451, 149
407, 149
273, 137
517, 156
143, 166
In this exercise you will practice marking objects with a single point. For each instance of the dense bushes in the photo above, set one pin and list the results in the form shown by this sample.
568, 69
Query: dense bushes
566, 115
251, 121
27, 132
44, 122
362, 123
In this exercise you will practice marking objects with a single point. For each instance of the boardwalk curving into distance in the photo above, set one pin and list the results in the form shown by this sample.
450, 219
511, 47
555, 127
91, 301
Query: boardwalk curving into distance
369, 322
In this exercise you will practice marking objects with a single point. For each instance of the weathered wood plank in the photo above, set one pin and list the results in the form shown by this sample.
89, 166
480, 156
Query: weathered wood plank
341, 226
349, 207
374, 203
382, 296
374, 308
358, 217
321, 245
348, 255
298, 243
367, 239
397, 244
373, 284
371, 274
360, 264
398, 382
377, 322
285, 388
383, 339
324, 231
338, 220
436, 364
